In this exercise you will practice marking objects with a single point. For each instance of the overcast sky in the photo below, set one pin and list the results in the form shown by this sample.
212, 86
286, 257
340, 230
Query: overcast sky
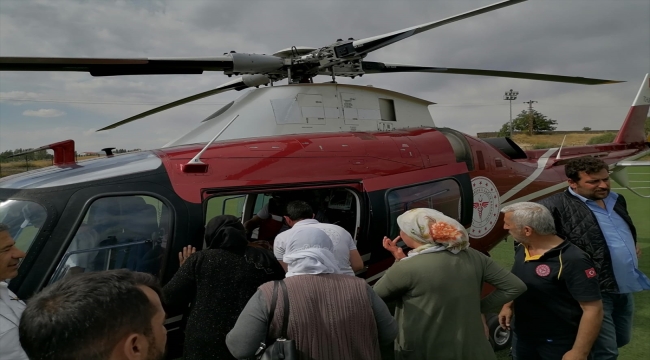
607, 39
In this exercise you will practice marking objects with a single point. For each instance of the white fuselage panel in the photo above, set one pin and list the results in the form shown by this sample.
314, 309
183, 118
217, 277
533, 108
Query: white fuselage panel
312, 108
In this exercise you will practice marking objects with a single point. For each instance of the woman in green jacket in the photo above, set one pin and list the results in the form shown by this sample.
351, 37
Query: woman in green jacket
437, 288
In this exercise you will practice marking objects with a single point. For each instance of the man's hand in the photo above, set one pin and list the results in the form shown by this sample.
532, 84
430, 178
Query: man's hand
391, 245
638, 251
574, 355
187, 251
505, 316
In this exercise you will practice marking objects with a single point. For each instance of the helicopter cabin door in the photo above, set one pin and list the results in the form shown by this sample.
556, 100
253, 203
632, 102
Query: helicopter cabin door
261, 208
444, 188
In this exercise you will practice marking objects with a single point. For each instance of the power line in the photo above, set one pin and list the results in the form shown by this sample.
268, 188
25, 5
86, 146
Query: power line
530, 115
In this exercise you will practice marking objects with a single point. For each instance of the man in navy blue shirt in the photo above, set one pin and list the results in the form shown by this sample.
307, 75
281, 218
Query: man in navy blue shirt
558, 317
591, 216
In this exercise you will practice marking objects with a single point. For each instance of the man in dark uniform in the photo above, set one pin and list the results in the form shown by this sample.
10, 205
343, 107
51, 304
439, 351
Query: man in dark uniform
560, 314
595, 219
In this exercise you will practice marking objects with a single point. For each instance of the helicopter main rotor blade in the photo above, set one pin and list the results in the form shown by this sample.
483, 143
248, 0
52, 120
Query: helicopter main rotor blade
240, 83
367, 45
371, 67
114, 66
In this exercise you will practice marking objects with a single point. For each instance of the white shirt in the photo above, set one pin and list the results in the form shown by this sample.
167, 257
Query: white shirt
10, 310
343, 242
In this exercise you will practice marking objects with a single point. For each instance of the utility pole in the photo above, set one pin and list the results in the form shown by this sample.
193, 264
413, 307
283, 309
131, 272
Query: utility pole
530, 116
511, 95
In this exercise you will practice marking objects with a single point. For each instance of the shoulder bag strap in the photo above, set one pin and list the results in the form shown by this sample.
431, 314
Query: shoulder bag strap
274, 300
285, 320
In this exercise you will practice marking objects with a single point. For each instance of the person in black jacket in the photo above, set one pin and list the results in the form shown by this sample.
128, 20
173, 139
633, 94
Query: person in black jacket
218, 282
591, 216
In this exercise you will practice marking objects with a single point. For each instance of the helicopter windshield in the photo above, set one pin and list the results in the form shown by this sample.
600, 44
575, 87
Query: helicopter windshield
24, 219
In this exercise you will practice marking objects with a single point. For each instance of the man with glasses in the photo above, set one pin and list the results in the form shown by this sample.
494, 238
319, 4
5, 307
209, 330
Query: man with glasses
11, 308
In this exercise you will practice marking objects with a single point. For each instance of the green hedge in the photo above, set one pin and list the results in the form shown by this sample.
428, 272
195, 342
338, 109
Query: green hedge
605, 138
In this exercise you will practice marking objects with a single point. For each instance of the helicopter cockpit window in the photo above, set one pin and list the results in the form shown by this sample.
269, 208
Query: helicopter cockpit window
119, 232
24, 219
443, 196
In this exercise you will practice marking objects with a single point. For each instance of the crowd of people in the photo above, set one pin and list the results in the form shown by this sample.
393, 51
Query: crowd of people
567, 297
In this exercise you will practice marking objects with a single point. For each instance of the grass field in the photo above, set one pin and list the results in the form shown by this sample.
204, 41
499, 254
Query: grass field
639, 209
553, 140
18, 166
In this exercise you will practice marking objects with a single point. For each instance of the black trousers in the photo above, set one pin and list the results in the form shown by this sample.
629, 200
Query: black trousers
525, 348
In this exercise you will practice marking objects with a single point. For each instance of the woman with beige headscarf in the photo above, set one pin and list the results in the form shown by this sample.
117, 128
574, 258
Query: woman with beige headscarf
438, 286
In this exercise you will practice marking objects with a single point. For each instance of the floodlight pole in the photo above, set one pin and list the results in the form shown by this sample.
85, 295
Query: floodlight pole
510, 95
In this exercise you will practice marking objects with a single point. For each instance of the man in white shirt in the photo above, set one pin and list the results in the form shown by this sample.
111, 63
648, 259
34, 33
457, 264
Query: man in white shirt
299, 213
10, 307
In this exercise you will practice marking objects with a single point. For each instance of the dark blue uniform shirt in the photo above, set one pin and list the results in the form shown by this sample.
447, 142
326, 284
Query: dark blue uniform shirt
557, 281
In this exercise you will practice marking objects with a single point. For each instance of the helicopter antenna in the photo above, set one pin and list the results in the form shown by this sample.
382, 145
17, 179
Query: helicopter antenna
196, 165
559, 151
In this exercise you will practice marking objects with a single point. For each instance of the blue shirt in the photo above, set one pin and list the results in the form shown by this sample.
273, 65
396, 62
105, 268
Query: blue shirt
620, 243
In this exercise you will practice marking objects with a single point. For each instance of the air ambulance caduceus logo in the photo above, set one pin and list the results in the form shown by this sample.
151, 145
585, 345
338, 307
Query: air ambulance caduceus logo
486, 207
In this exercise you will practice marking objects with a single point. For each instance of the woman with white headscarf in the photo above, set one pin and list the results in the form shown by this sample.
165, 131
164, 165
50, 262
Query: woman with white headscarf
438, 286
332, 316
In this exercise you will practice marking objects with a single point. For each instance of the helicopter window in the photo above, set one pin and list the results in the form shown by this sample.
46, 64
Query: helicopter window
387, 110
443, 196
225, 205
119, 232
24, 219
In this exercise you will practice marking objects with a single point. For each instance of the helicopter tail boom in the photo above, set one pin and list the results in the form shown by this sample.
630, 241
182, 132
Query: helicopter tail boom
633, 130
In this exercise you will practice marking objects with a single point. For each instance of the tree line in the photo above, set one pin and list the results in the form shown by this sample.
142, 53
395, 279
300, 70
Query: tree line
541, 124
6, 156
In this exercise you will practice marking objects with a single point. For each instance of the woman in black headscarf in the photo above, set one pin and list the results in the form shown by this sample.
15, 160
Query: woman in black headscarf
218, 282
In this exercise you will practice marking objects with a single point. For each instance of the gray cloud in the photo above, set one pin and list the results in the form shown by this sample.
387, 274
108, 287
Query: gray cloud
44, 113
591, 38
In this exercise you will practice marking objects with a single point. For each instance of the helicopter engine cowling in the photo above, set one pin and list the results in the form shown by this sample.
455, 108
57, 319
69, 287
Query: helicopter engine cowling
244, 63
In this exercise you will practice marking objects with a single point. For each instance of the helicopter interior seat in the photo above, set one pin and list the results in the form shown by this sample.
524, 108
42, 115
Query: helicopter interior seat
104, 218
141, 225
152, 259
342, 210
101, 223
136, 221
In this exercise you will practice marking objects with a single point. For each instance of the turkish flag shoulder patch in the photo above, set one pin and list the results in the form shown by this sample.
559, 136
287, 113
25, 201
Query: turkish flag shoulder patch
590, 273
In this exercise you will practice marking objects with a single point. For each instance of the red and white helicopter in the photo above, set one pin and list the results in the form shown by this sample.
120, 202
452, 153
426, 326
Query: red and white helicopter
360, 155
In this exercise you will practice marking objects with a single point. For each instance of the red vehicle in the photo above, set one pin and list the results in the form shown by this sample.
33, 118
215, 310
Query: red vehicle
360, 155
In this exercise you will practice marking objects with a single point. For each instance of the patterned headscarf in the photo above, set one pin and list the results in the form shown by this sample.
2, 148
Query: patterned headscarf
310, 251
434, 230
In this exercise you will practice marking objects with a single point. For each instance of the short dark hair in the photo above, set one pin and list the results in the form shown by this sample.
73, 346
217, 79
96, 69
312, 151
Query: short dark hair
276, 206
299, 210
589, 165
86, 315
4, 227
